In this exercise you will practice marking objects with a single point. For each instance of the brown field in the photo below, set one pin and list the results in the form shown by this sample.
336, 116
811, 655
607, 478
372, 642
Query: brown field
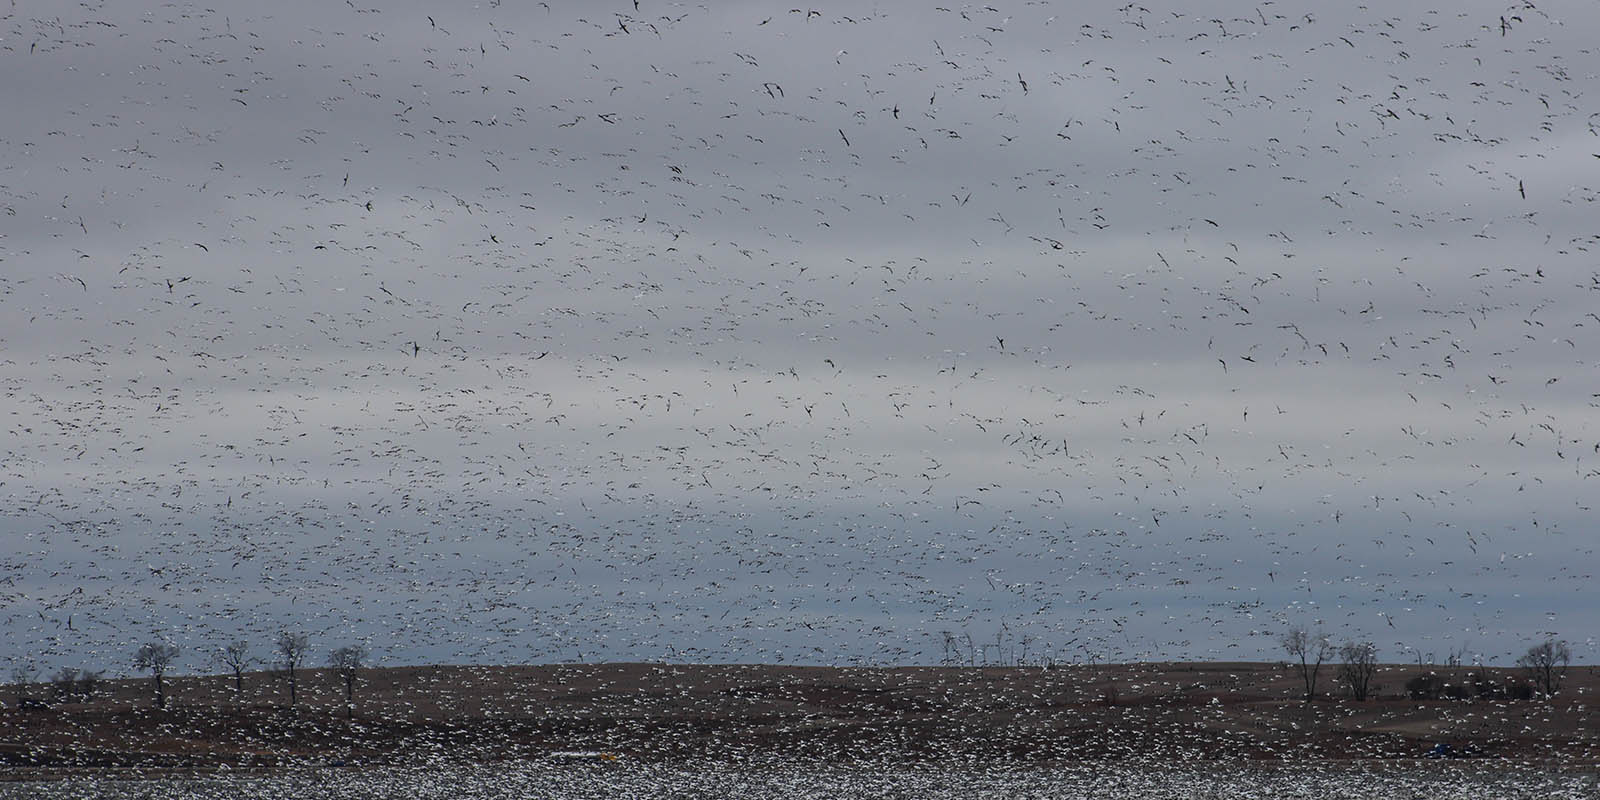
1248, 711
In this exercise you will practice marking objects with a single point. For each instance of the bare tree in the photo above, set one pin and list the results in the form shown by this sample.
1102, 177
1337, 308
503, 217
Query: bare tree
236, 657
1546, 665
155, 657
1312, 649
291, 649
1358, 663
347, 661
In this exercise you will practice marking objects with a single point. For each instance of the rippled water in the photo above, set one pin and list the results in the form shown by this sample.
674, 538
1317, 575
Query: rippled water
790, 782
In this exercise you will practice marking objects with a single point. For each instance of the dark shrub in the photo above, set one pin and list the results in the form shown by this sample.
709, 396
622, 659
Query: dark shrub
64, 686
75, 686
1110, 695
88, 683
1425, 687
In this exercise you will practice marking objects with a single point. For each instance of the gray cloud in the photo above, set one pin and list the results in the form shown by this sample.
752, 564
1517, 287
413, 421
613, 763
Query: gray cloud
524, 332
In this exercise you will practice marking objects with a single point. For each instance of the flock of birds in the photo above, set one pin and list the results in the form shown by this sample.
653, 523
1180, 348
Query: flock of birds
782, 781
644, 330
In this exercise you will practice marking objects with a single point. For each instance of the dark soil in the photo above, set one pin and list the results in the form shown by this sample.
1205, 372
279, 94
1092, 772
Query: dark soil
408, 715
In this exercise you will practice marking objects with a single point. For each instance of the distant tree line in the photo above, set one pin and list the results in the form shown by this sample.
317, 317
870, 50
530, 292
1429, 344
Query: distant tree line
1544, 668
290, 649
1354, 665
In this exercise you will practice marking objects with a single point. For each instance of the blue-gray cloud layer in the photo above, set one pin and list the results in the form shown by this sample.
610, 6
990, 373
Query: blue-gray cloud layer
509, 332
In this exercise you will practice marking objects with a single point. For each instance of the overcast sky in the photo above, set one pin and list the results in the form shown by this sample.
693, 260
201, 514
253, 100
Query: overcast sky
514, 332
